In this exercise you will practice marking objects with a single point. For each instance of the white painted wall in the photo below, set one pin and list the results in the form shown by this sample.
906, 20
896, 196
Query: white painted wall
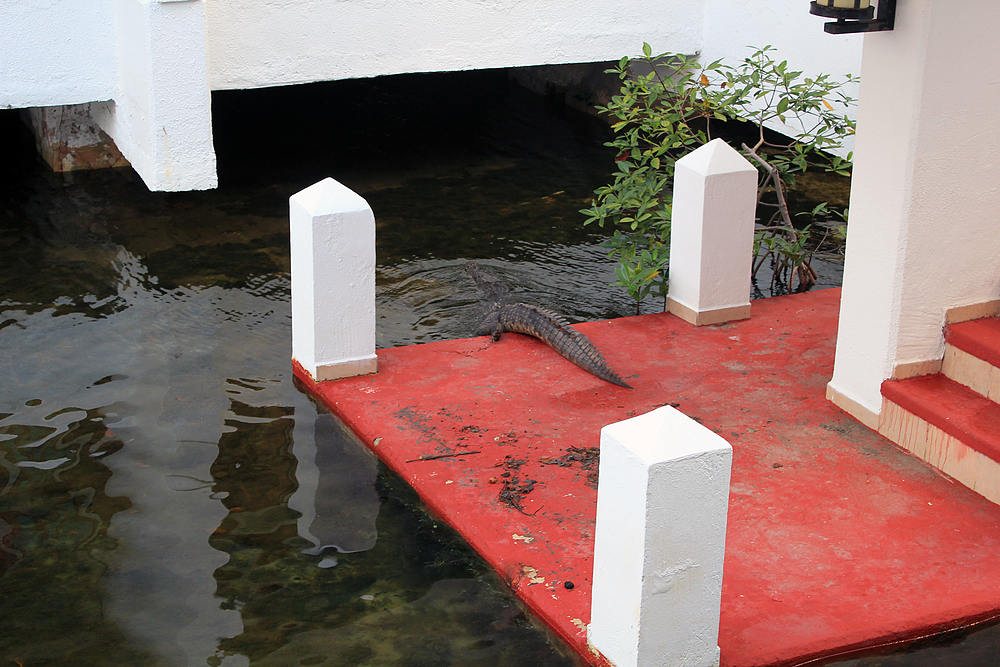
924, 233
161, 117
732, 30
140, 64
274, 42
152, 63
56, 52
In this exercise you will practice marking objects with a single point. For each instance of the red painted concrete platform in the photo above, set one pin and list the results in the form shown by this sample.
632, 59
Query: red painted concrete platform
837, 540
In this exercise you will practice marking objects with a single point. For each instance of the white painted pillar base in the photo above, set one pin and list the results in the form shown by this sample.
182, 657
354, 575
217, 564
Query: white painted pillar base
660, 542
333, 281
711, 235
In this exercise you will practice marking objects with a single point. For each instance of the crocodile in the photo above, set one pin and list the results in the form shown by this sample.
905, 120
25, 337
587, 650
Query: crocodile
543, 324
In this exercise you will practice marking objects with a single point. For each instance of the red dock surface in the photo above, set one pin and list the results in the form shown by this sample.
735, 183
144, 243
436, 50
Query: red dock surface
837, 540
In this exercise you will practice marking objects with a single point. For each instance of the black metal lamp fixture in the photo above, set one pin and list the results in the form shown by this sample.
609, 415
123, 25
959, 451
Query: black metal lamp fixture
855, 15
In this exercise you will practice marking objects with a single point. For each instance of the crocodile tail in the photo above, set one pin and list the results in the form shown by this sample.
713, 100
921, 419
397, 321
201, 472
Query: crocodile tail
556, 332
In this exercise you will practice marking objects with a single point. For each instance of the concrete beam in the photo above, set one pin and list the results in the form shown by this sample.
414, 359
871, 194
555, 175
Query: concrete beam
161, 116
68, 138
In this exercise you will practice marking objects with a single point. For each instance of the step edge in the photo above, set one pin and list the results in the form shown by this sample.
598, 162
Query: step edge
958, 336
974, 311
946, 453
900, 393
971, 371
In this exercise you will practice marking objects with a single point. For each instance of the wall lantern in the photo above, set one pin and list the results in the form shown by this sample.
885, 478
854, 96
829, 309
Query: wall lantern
855, 15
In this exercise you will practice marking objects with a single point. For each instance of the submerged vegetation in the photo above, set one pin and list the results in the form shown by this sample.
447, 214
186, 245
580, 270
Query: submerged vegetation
669, 105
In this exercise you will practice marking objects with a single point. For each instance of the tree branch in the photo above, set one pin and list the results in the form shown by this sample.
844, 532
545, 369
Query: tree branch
776, 178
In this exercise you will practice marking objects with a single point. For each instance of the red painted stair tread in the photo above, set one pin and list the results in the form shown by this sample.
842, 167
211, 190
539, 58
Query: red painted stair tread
980, 338
952, 407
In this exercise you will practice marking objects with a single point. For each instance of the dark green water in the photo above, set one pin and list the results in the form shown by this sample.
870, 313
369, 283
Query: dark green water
166, 491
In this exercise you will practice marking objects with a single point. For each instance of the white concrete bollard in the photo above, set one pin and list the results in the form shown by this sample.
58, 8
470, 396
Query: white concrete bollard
711, 235
660, 542
333, 281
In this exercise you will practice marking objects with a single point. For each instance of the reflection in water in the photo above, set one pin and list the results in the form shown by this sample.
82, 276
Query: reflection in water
336, 498
167, 496
54, 519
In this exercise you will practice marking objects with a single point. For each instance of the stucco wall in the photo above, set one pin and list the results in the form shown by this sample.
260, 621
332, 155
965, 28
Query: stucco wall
952, 254
151, 63
734, 29
924, 233
275, 42
63, 51
161, 115
56, 52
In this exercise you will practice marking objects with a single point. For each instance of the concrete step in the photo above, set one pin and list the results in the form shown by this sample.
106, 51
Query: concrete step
947, 424
972, 355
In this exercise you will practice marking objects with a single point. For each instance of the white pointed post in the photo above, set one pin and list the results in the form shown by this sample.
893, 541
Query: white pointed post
711, 235
333, 281
660, 542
